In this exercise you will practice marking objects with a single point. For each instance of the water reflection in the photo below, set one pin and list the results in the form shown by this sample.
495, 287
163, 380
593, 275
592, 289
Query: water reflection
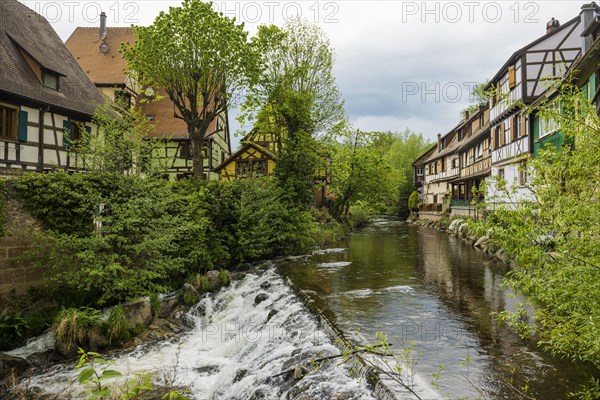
419, 284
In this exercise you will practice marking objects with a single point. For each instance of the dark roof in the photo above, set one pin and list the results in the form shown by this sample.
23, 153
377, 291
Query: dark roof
25, 33
522, 50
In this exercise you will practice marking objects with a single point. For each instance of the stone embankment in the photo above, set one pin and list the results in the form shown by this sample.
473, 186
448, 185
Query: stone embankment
462, 229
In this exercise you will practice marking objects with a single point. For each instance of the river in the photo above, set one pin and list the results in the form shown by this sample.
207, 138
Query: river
415, 284
418, 284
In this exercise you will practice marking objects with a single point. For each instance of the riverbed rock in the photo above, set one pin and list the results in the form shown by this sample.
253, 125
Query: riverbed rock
43, 359
190, 294
300, 372
260, 298
97, 339
265, 285
11, 364
481, 241
214, 280
271, 314
139, 312
67, 350
167, 306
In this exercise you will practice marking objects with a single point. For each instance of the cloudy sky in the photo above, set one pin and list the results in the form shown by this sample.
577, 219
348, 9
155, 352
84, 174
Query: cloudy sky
400, 64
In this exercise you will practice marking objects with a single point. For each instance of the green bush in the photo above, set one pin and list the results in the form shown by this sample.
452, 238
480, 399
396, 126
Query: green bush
118, 328
414, 201
359, 215
154, 304
73, 325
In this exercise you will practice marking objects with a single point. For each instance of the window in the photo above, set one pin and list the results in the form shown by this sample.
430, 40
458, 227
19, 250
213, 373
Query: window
8, 122
185, 151
479, 151
435, 198
522, 174
507, 137
247, 169
481, 120
50, 80
455, 163
419, 170
547, 126
517, 126
501, 173
123, 99
497, 139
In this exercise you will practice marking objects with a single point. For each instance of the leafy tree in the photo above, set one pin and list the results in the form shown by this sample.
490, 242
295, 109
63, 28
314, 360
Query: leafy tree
404, 149
359, 172
202, 60
120, 146
296, 99
555, 234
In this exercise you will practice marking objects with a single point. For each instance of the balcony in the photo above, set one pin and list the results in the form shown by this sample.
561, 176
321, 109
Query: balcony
480, 167
511, 150
506, 103
444, 175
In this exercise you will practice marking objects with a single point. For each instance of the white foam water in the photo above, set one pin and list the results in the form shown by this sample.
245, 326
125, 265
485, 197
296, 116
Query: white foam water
330, 251
234, 353
334, 265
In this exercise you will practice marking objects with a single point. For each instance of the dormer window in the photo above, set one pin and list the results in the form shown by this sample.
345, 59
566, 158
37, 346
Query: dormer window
50, 79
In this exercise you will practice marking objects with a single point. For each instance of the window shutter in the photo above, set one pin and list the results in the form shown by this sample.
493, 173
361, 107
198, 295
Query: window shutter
88, 136
67, 133
523, 125
512, 129
512, 79
502, 134
23, 126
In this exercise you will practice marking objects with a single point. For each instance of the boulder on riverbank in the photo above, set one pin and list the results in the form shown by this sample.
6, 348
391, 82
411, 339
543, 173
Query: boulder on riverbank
139, 313
11, 364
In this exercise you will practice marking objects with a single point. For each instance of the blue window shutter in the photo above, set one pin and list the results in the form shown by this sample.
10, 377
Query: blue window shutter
67, 132
23, 126
88, 136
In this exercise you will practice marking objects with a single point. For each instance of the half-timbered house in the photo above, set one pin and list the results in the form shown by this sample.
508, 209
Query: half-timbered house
521, 80
474, 154
97, 50
256, 157
46, 100
584, 73
441, 167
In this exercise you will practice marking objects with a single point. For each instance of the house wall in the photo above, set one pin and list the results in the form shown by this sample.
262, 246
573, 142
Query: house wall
24, 154
228, 173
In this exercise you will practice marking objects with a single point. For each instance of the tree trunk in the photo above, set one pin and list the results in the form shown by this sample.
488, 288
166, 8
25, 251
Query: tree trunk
196, 140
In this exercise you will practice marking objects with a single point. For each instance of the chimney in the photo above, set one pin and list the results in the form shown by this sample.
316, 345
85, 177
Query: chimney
587, 15
552, 25
103, 30
439, 141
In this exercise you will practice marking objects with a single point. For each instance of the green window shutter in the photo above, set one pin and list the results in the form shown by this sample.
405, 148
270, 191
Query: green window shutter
67, 132
23, 126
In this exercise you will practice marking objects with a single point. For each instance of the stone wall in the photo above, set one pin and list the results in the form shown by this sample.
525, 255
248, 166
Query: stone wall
22, 255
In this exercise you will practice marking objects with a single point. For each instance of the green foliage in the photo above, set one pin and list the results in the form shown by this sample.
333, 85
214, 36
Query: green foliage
154, 304
118, 326
12, 324
121, 143
189, 298
414, 201
200, 58
73, 325
2, 194
199, 281
224, 276
555, 234
296, 98
94, 371
360, 214
65, 203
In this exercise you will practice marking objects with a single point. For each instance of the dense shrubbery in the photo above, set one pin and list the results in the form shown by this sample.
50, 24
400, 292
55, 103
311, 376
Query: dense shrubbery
155, 233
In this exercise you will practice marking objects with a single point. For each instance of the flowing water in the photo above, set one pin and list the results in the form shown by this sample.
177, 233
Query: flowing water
234, 353
412, 283
418, 284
